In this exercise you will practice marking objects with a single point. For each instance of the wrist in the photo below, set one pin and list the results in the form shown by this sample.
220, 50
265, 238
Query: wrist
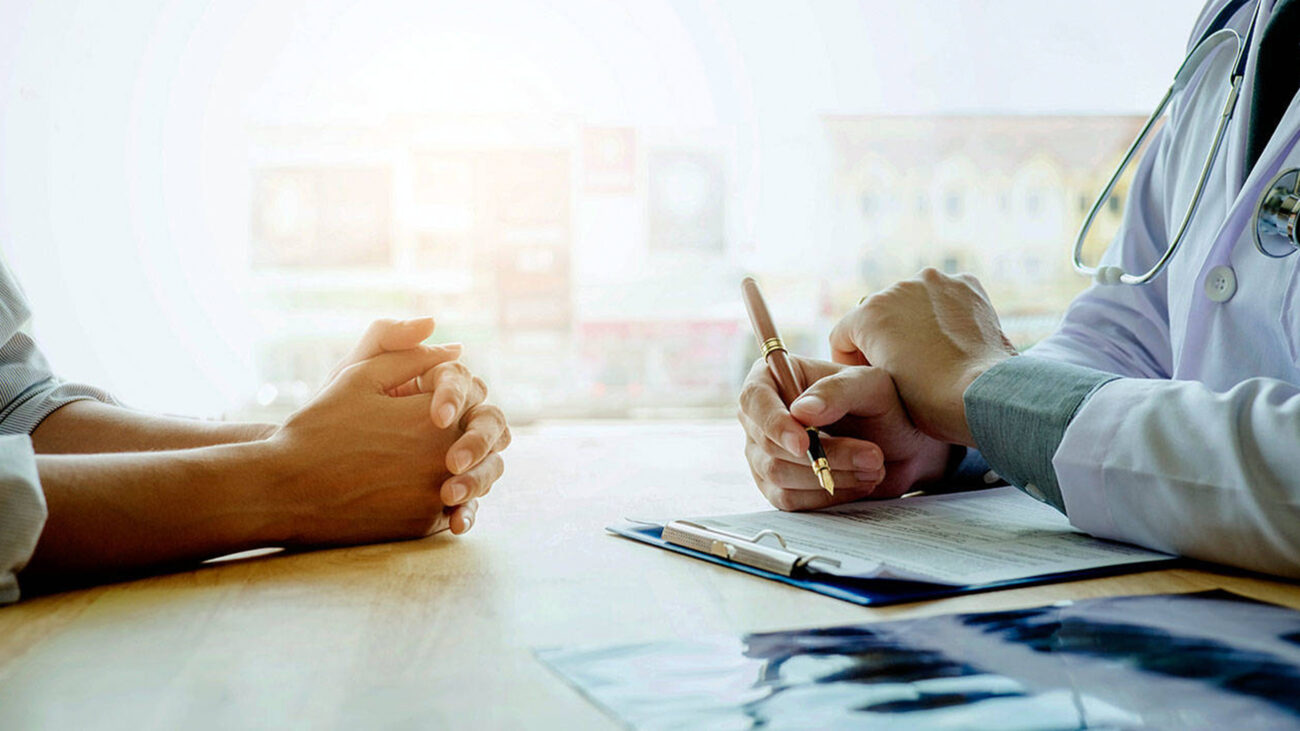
269, 477
951, 424
260, 432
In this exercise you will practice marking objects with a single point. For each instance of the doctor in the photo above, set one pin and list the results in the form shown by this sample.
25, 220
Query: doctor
1165, 410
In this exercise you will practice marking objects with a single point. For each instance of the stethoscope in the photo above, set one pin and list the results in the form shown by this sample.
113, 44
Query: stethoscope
1278, 209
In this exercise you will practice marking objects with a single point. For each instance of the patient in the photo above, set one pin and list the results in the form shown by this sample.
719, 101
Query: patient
397, 444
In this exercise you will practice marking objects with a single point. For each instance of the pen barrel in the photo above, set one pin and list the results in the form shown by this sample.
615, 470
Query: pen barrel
782, 369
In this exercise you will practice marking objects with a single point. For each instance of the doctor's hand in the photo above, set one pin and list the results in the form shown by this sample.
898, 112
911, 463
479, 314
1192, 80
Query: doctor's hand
874, 452
459, 396
934, 334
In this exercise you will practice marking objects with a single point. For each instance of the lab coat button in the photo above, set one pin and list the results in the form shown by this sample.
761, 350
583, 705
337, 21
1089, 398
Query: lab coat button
1034, 492
1220, 284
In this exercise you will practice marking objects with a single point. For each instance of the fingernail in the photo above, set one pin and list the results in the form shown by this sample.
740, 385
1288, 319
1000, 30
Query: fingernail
446, 413
866, 476
459, 461
458, 493
791, 442
452, 346
810, 404
467, 521
866, 460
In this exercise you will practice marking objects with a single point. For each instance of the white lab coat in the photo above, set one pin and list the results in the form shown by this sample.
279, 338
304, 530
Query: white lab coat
1196, 450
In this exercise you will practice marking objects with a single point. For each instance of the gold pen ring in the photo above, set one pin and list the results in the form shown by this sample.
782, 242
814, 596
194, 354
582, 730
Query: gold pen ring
772, 344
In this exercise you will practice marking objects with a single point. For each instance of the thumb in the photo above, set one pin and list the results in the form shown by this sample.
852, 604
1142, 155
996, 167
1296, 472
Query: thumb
855, 390
389, 370
385, 336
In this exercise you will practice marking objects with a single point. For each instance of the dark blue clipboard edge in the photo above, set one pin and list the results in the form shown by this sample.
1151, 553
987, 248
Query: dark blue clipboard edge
880, 592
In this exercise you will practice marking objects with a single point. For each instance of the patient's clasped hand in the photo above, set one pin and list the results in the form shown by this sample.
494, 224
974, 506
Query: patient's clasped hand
399, 443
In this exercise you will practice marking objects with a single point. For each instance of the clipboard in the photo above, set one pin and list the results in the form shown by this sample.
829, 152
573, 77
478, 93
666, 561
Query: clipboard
773, 561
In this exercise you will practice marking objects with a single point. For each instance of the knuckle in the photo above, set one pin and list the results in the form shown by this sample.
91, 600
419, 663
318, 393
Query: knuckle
476, 441
380, 325
871, 309
493, 414
474, 482
757, 372
781, 499
353, 371
748, 425
451, 391
452, 370
773, 422
504, 438
771, 450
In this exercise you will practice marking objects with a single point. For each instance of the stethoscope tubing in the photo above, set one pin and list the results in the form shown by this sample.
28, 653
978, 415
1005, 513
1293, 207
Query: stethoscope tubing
1198, 55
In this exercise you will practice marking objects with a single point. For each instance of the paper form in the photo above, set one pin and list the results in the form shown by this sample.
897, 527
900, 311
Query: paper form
960, 539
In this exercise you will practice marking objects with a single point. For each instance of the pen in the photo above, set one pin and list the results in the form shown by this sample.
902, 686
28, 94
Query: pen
787, 382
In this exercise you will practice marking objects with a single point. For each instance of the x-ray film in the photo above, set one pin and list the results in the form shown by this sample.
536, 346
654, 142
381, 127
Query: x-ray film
1207, 660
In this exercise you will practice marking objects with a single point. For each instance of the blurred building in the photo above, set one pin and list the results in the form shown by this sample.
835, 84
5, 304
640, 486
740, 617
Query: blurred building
1000, 197
582, 266
593, 271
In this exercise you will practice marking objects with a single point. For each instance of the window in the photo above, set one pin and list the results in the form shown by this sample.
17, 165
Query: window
952, 205
602, 196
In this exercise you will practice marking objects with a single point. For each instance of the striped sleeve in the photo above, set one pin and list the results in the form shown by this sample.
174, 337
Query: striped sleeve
22, 511
29, 392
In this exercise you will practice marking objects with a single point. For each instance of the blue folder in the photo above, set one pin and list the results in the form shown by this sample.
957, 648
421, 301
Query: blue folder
876, 592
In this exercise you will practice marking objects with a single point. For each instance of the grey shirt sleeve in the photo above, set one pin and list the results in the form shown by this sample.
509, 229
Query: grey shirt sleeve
22, 511
1018, 411
29, 392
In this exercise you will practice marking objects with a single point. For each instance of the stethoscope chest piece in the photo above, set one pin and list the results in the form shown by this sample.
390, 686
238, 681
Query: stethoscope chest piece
1276, 216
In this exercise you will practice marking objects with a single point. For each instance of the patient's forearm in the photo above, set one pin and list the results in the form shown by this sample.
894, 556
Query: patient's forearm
120, 511
89, 427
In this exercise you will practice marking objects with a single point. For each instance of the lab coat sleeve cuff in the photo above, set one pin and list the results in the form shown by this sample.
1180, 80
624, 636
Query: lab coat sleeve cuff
1080, 461
22, 511
1018, 412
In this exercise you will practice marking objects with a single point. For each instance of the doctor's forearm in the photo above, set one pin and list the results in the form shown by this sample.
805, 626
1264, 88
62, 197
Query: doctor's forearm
1178, 467
90, 427
1169, 465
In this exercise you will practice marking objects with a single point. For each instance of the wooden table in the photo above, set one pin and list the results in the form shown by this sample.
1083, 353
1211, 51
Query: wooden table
438, 633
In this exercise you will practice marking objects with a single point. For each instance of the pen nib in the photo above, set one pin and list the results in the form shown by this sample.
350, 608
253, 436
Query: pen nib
824, 476
821, 467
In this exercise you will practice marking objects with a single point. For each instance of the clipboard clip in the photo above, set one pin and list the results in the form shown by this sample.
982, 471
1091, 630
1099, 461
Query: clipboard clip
747, 550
